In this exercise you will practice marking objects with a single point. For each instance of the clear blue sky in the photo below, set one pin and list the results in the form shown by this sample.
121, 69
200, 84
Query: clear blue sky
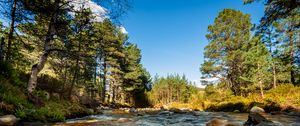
171, 33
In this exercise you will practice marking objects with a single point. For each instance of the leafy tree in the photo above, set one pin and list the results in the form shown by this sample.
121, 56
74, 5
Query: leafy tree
228, 37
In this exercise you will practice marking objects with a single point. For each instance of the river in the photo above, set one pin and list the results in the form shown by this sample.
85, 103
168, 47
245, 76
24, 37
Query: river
117, 118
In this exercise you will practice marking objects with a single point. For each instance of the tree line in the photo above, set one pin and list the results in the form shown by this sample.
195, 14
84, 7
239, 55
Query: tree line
63, 49
171, 89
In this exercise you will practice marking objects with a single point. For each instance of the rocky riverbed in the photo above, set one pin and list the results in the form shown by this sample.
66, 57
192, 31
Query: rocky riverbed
170, 118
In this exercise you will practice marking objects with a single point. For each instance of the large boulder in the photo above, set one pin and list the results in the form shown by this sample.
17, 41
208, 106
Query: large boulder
256, 109
256, 117
8, 120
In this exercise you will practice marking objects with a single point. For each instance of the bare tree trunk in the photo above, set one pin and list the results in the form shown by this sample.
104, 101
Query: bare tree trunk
11, 30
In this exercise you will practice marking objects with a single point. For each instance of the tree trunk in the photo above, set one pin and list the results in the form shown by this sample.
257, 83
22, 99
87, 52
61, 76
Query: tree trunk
42, 61
260, 82
74, 79
77, 70
35, 71
11, 30
104, 82
292, 58
43, 58
113, 94
274, 75
2, 46
261, 90
273, 62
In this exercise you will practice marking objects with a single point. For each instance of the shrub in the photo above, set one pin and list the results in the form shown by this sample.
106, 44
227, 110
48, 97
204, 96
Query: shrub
13, 95
286, 94
20, 113
57, 116
42, 94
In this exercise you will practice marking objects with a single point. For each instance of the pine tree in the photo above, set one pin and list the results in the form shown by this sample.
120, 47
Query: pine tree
288, 45
257, 62
228, 38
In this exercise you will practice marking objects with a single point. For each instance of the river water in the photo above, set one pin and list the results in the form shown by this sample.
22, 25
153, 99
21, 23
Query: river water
113, 118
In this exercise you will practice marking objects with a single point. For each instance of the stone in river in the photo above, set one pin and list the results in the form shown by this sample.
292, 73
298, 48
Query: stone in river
255, 117
124, 120
220, 122
8, 120
256, 109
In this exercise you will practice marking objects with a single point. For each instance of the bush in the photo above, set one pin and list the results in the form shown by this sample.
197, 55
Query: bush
13, 95
20, 113
44, 114
285, 94
44, 95
10, 74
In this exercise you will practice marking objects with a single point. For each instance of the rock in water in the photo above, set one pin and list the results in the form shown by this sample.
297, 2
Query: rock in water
220, 122
216, 122
256, 118
123, 120
256, 109
8, 120
132, 110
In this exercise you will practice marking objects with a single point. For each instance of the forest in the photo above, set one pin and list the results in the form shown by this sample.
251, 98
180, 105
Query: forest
59, 60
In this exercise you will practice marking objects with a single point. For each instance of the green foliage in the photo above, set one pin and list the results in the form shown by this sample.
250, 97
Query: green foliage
228, 40
136, 77
285, 94
217, 94
256, 67
9, 73
20, 113
276, 10
42, 94
277, 99
173, 88
13, 95
54, 111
